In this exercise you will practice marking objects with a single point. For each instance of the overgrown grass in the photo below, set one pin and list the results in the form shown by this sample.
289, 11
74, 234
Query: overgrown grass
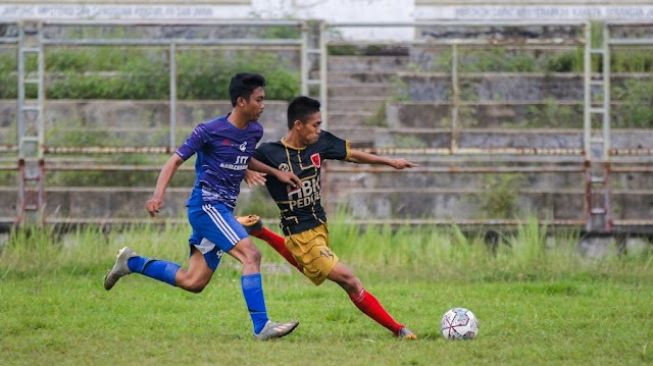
443, 253
447, 253
538, 302
636, 111
118, 73
498, 198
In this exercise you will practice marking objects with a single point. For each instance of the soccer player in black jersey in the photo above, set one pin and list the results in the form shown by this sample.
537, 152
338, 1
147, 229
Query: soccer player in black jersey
303, 219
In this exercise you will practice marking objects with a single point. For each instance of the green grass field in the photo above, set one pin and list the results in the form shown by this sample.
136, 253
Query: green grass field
538, 302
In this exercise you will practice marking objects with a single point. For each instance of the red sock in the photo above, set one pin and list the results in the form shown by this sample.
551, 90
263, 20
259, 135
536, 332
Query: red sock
277, 242
369, 305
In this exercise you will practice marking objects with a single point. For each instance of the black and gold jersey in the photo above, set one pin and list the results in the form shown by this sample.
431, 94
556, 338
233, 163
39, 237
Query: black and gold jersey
301, 208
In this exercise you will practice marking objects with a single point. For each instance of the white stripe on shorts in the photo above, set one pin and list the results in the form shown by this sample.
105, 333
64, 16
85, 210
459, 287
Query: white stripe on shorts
222, 225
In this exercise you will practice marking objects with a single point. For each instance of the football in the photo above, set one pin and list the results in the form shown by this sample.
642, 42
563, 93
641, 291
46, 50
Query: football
459, 323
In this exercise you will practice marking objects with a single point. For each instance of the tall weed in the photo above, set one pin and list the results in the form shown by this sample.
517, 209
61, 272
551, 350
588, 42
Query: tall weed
531, 252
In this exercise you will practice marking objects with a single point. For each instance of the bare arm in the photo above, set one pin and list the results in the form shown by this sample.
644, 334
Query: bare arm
254, 178
284, 177
357, 156
167, 172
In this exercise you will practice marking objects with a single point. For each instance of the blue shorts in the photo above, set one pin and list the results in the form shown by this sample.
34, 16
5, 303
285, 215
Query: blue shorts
215, 231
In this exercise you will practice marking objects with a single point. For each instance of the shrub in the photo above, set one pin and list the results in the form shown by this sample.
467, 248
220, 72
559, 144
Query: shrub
636, 111
499, 198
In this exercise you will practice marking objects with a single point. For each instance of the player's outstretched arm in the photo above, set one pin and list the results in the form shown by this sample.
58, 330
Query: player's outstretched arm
154, 204
357, 156
284, 177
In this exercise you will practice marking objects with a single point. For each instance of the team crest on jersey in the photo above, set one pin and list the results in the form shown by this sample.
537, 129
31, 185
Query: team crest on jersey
315, 158
243, 146
284, 167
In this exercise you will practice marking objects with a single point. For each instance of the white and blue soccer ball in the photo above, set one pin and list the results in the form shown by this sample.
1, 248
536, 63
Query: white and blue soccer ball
459, 323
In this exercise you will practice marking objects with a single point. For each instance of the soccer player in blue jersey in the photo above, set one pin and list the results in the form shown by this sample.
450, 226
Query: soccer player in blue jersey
303, 220
224, 147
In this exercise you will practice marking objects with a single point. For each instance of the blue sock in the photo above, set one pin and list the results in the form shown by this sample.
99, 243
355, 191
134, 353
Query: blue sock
154, 268
253, 292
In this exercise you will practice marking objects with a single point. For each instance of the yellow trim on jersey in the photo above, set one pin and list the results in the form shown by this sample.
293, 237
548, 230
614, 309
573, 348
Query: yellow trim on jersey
287, 149
287, 145
347, 149
302, 167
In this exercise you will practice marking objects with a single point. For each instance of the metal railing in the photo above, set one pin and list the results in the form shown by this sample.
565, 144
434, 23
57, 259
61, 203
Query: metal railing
597, 151
33, 38
313, 44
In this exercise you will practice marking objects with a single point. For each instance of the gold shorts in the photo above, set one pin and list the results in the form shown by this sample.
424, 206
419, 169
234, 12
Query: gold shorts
311, 249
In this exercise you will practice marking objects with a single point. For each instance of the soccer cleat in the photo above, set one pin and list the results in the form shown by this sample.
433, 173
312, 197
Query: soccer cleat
251, 223
405, 333
273, 330
120, 268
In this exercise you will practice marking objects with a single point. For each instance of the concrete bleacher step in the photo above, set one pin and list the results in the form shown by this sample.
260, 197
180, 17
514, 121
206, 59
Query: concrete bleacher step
423, 177
348, 63
523, 139
358, 136
473, 170
8, 199
145, 113
429, 57
361, 77
480, 138
353, 89
495, 86
370, 203
457, 203
505, 86
7, 136
133, 136
356, 104
108, 202
460, 204
480, 176
344, 120
429, 114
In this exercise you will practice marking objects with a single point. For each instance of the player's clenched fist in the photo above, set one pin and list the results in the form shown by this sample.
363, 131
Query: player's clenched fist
153, 205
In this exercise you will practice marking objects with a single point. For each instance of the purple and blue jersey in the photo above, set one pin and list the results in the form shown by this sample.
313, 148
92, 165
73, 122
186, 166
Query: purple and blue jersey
223, 153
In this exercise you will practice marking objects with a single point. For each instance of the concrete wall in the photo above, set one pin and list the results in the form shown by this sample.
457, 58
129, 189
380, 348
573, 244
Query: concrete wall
376, 195
131, 122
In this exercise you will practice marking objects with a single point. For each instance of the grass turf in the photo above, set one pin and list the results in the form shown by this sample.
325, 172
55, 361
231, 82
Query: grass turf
532, 309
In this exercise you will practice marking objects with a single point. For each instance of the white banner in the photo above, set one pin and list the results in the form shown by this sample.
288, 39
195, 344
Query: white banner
548, 13
329, 10
134, 12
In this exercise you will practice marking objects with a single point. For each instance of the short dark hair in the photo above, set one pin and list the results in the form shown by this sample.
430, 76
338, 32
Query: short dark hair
243, 85
300, 108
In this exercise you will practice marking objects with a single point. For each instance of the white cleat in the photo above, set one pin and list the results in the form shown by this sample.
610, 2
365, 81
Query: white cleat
120, 268
273, 330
